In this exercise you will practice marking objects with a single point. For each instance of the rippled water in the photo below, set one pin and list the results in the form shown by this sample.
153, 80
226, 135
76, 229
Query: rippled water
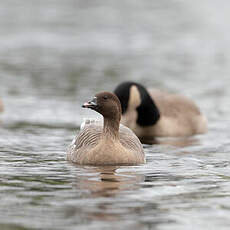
54, 55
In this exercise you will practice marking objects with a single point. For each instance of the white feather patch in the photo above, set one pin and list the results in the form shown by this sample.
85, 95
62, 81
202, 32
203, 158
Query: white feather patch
89, 121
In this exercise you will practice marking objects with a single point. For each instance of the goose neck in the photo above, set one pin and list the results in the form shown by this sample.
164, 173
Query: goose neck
111, 128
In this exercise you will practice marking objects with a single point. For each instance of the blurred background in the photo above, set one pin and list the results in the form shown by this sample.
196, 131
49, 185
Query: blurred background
55, 55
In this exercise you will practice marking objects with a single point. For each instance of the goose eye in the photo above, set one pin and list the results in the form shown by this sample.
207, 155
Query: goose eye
105, 97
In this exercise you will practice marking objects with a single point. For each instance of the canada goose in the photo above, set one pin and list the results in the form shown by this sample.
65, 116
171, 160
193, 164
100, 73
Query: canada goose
107, 143
153, 113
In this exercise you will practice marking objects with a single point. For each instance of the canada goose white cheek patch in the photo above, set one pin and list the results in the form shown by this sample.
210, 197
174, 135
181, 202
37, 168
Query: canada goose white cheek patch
129, 118
134, 97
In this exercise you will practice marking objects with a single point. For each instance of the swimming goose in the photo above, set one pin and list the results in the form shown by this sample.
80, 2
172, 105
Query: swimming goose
107, 143
153, 113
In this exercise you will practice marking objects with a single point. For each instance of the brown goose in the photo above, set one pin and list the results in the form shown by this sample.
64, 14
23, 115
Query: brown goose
153, 113
107, 143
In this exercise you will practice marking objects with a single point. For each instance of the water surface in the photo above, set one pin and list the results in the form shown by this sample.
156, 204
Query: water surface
54, 55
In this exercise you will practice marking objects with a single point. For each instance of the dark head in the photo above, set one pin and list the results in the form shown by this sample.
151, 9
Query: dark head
105, 103
148, 114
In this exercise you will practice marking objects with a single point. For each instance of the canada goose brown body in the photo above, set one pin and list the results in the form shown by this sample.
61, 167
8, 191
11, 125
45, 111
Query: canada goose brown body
153, 113
107, 142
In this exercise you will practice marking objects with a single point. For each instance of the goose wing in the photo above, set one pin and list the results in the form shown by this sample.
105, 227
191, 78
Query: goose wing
90, 135
130, 141
172, 105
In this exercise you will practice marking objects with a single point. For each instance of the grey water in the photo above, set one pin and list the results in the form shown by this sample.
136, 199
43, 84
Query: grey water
55, 55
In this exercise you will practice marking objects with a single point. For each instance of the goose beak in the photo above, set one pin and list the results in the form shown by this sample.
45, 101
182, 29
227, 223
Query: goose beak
91, 104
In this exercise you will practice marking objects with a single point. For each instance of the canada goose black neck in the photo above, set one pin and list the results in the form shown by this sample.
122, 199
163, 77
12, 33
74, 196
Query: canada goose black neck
148, 113
108, 105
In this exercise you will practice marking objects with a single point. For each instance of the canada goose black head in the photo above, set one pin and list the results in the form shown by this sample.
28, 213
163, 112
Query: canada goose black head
107, 104
148, 113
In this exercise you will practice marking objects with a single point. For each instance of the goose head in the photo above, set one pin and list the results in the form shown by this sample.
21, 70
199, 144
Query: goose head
105, 103
137, 105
